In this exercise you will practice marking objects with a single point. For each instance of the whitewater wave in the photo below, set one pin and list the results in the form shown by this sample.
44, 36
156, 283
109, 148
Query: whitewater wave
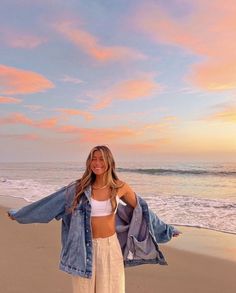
169, 171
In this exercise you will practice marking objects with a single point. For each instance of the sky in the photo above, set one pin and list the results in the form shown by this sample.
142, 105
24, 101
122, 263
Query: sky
153, 80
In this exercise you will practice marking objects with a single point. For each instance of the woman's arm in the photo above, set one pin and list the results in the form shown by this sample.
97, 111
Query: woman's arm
43, 210
126, 193
163, 232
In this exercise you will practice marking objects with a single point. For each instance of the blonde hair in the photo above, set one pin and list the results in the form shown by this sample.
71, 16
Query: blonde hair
88, 178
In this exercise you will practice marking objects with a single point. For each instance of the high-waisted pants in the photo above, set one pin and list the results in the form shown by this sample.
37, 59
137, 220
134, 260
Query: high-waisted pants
107, 271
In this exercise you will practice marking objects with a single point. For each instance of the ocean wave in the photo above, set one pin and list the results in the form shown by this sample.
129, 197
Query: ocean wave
28, 189
195, 211
168, 171
213, 214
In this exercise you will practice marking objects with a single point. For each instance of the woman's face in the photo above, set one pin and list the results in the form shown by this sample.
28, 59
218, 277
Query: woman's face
97, 164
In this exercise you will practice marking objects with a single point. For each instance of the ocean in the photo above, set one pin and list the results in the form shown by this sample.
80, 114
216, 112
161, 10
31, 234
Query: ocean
187, 194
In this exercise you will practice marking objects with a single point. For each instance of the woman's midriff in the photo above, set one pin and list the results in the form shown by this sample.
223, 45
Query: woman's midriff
103, 226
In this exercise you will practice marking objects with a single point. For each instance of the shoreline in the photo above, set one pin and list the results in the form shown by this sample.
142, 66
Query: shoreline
12, 202
30, 258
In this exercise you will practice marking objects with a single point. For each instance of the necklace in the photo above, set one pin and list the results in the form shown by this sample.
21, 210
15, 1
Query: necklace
99, 187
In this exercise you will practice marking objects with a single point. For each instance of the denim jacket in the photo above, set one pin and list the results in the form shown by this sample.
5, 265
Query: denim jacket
138, 230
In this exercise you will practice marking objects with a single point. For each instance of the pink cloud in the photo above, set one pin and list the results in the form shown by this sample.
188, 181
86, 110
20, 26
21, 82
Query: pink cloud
92, 47
9, 100
103, 103
18, 81
208, 30
70, 129
16, 118
129, 90
27, 136
97, 135
71, 79
119, 134
227, 114
19, 118
88, 116
46, 123
94, 135
214, 75
19, 39
146, 146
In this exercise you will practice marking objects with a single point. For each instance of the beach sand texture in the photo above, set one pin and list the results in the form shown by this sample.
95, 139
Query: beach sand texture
30, 256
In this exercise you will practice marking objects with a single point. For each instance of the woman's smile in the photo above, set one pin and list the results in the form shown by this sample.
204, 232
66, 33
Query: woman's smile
97, 164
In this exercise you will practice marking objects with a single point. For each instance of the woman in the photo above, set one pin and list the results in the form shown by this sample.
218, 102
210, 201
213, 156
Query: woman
91, 250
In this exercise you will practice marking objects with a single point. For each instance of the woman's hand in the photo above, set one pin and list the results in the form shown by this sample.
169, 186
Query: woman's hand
176, 233
10, 216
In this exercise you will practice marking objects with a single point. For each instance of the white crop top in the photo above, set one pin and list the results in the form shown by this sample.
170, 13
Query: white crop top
101, 208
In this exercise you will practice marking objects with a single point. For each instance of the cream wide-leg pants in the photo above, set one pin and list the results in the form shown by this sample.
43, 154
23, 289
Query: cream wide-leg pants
108, 269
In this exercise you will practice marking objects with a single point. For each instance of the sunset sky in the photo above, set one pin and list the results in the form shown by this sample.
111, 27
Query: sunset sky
151, 79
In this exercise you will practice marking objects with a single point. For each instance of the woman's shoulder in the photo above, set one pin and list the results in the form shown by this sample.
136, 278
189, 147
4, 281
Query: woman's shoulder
123, 188
121, 184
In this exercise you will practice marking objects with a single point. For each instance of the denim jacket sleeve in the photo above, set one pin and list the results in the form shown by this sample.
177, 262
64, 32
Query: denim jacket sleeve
43, 210
162, 232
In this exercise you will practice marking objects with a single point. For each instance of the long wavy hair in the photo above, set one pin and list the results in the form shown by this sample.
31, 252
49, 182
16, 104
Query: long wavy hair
110, 177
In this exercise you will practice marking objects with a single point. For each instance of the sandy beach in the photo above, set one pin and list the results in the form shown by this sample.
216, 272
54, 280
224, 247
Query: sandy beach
30, 256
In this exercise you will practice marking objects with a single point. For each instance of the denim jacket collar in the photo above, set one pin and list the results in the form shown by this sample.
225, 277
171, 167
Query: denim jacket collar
88, 192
